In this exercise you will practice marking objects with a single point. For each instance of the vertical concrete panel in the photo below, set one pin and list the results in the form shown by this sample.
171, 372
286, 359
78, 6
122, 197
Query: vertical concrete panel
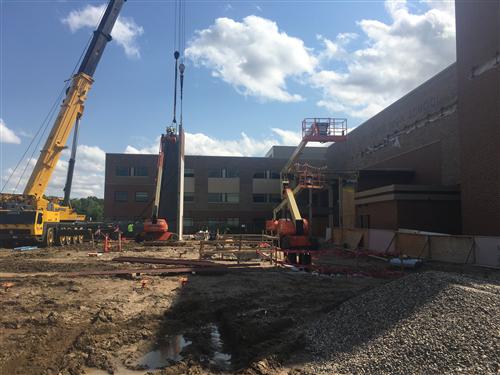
487, 251
382, 241
412, 245
169, 198
452, 249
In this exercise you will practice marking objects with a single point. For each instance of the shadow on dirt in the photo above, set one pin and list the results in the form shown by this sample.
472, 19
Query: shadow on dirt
235, 321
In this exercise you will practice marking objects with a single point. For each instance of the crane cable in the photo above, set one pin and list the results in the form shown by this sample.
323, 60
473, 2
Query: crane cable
179, 45
176, 56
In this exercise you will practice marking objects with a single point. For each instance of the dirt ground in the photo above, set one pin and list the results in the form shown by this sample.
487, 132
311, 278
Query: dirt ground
244, 321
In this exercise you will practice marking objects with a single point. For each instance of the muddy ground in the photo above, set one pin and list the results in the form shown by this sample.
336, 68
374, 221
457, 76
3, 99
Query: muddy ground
247, 322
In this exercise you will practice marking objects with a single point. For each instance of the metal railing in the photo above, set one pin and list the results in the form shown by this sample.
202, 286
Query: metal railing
328, 127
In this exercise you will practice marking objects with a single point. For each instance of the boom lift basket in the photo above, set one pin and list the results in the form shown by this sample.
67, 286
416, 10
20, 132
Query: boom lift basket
324, 129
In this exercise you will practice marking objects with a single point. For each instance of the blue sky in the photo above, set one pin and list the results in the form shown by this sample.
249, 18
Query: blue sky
251, 67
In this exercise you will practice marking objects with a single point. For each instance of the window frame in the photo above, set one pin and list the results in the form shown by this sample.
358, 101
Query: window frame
262, 195
189, 194
117, 192
138, 168
223, 198
214, 173
189, 172
277, 198
219, 200
233, 221
141, 200
118, 167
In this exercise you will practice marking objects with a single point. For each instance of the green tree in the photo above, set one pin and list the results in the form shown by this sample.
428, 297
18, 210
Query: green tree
92, 207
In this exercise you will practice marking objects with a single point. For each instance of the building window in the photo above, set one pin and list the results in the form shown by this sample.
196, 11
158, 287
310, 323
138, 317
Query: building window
188, 197
121, 196
364, 221
214, 198
140, 171
275, 198
215, 173
260, 198
223, 173
231, 173
233, 221
141, 196
267, 174
232, 197
122, 171
188, 172
212, 222
267, 198
275, 175
188, 222
223, 197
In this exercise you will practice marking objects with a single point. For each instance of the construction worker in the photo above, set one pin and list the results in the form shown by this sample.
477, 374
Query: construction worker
130, 229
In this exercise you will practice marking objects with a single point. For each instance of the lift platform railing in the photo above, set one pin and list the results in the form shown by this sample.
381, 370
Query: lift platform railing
309, 177
295, 177
324, 129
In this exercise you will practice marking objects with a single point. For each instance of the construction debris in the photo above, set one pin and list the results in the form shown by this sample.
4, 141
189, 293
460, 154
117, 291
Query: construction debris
171, 243
184, 262
7, 285
421, 324
160, 271
26, 248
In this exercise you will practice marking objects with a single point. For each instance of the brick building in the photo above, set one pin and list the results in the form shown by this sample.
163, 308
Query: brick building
430, 161
407, 162
478, 68
219, 191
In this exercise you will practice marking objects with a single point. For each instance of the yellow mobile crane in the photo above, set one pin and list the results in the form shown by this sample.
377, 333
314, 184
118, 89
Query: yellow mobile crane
29, 217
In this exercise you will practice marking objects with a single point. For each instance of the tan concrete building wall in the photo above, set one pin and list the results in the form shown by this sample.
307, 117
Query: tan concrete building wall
224, 185
266, 186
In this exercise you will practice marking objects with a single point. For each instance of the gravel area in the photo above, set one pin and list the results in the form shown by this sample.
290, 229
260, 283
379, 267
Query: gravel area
427, 323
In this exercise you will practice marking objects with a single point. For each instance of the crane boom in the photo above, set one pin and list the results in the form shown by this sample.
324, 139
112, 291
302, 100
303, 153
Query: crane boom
73, 105
30, 217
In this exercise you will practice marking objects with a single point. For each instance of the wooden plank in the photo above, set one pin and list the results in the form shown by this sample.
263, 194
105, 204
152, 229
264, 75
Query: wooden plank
453, 249
487, 251
412, 245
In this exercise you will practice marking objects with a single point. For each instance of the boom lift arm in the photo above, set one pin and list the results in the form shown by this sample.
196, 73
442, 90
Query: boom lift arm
313, 130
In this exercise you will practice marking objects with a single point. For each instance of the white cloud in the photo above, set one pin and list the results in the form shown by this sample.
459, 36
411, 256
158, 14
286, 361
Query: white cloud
88, 178
398, 56
7, 135
334, 50
253, 56
125, 31
202, 144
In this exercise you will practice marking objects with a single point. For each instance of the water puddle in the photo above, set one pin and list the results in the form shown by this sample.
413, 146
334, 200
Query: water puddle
166, 354
171, 350
219, 359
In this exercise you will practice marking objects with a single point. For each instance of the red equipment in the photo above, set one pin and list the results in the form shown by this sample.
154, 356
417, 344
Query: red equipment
108, 243
156, 231
295, 238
